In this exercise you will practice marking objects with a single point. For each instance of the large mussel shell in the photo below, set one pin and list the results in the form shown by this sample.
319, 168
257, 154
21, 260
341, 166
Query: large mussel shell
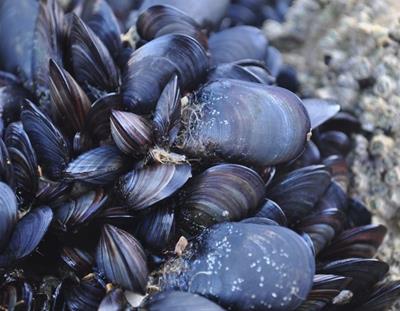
225, 192
99, 16
207, 13
122, 260
237, 43
69, 216
70, 103
179, 301
131, 133
244, 266
27, 234
144, 187
298, 191
167, 116
98, 166
17, 23
24, 161
8, 213
160, 20
92, 63
152, 66
85, 295
50, 145
217, 123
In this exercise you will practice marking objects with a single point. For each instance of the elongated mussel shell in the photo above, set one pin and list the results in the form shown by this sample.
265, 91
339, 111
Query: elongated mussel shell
27, 234
383, 296
70, 215
122, 260
167, 117
70, 103
160, 20
179, 301
24, 161
49, 143
131, 133
6, 167
244, 266
237, 43
225, 192
320, 110
152, 66
144, 187
218, 123
298, 191
99, 16
8, 213
207, 13
98, 166
92, 62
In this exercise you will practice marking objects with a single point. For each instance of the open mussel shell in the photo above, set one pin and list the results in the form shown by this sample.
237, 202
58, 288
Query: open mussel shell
225, 192
131, 133
98, 166
27, 234
320, 110
48, 142
8, 213
275, 270
70, 103
16, 295
99, 16
121, 258
23, 160
17, 23
360, 242
237, 43
144, 187
6, 167
298, 191
167, 116
217, 123
383, 296
272, 210
92, 62
156, 229
179, 301
85, 294
160, 20
78, 260
165, 55
207, 13
69, 216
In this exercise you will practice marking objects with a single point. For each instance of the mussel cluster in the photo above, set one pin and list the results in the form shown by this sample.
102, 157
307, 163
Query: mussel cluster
154, 156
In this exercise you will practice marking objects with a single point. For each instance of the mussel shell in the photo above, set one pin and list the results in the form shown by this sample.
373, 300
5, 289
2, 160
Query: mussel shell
78, 260
12, 98
92, 62
218, 123
237, 43
114, 300
131, 133
207, 13
51, 191
334, 142
272, 210
6, 167
160, 20
225, 192
244, 266
8, 213
50, 145
152, 66
383, 296
273, 60
144, 187
320, 110
22, 241
122, 260
16, 295
179, 301
98, 166
358, 214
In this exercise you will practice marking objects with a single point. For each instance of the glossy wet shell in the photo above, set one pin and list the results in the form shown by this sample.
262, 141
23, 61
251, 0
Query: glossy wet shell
245, 122
249, 267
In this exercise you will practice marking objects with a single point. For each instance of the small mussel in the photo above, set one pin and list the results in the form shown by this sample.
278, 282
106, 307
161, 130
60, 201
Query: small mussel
244, 266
